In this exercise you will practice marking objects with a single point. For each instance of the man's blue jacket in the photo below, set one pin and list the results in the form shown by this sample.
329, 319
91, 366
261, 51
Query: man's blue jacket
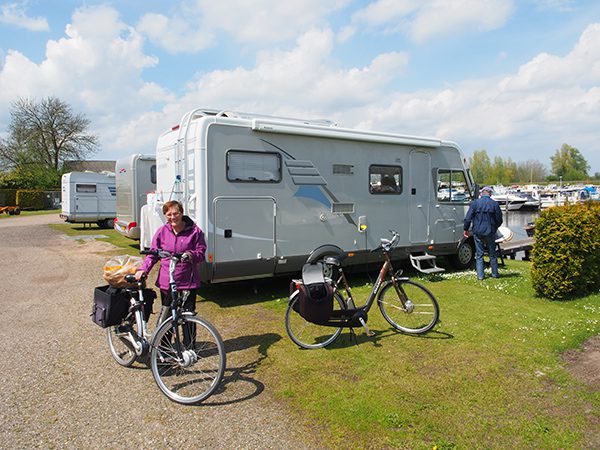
486, 216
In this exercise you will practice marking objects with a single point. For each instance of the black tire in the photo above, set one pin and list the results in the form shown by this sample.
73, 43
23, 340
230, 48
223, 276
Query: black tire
120, 348
197, 375
307, 334
412, 309
465, 255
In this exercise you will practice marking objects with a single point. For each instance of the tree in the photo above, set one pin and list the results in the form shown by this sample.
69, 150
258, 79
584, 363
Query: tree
530, 171
480, 166
569, 163
45, 134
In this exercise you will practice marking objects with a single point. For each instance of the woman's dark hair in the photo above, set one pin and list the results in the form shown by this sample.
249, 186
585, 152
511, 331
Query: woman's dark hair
171, 204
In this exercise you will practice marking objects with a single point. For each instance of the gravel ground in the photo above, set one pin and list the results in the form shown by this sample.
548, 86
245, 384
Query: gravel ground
60, 388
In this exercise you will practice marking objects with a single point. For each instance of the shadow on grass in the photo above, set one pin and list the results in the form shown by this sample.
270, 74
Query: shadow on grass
357, 336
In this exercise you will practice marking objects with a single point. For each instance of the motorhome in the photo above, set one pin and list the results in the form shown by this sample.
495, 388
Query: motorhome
88, 197
135, 177
268, 190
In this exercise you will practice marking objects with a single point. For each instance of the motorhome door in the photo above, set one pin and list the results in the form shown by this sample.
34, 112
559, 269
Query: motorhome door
244, 236
420, 181
86, 200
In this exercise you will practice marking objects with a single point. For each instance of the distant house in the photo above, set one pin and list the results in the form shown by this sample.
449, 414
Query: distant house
91, 165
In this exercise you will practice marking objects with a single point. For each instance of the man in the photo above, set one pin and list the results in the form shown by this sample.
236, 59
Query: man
486, 216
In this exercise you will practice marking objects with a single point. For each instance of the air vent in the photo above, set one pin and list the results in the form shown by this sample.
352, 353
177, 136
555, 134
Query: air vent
342, 208
343, 169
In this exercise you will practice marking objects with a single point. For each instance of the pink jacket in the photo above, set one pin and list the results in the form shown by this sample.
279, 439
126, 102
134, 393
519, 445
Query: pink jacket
190, 240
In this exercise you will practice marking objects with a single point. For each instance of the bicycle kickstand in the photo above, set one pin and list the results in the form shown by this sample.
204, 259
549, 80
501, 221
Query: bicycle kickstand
364, 324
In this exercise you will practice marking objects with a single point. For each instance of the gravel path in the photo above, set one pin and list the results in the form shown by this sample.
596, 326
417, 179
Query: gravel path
59, 387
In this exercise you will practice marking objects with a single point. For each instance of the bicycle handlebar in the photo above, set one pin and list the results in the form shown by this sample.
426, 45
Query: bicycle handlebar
388, 244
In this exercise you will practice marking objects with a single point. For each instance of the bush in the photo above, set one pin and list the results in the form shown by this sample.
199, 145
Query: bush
8, 197
566, 251
31, 199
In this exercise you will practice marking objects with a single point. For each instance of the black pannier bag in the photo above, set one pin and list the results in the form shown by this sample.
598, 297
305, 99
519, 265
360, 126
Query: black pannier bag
110, 306
315, 303
149, 297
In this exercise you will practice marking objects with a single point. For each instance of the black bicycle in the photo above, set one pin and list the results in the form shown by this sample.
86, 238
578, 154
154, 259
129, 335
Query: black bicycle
408, 306
187, 354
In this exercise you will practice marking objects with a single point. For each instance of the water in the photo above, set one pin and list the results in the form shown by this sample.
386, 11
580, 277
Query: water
518, 220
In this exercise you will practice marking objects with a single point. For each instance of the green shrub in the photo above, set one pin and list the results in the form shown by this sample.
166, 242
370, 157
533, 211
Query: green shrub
8, 197
566, 251
31, 199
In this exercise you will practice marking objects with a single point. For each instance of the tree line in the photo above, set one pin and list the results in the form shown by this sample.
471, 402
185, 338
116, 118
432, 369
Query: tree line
567, 164
43, 134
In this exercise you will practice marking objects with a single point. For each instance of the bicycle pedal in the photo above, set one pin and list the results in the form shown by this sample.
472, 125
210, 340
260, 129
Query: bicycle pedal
370, 333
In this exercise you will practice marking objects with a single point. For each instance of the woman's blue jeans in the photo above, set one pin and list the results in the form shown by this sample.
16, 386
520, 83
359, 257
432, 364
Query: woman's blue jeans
483, 244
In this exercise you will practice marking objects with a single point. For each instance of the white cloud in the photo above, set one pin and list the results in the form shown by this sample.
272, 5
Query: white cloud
300, 81
421, 20
15, 14
548, 101
96, 68
195, 25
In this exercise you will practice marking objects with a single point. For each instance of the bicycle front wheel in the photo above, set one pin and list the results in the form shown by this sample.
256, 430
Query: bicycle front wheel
120, 347
196, 374
307, 334
411, 308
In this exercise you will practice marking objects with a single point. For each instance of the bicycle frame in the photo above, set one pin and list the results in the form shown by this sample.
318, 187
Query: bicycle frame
385, 269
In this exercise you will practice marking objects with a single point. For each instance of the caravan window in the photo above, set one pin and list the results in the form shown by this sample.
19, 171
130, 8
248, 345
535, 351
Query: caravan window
153, 174
385, 179
253, 166
85, 188
452, 186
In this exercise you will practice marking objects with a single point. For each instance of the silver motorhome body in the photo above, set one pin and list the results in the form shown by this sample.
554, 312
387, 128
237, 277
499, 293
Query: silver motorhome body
88, 197
269, 190
135, 177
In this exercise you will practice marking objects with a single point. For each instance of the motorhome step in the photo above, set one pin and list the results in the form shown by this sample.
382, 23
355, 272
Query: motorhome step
433, 270
425, 257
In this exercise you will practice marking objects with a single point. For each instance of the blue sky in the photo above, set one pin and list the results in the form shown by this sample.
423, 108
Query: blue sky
516, 78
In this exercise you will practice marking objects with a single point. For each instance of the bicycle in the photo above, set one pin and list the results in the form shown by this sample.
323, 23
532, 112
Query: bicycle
186, 352
407, 306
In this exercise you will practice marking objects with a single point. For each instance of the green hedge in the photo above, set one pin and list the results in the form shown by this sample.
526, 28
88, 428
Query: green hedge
566, 251
8, 197
31, 199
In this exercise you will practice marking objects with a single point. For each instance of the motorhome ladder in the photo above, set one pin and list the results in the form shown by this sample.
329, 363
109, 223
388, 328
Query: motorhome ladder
418, 259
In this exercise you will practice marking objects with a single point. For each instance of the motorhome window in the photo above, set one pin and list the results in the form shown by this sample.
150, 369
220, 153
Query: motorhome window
452, 186
85, 188
153, 174
247, 166
343, 169
385, 179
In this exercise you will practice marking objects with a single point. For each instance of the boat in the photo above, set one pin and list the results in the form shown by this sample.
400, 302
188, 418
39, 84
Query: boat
508, 201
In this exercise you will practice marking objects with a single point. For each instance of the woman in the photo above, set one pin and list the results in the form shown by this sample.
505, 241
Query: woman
179, 235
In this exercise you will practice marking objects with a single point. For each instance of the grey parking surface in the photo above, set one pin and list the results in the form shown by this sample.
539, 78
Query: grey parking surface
60, 388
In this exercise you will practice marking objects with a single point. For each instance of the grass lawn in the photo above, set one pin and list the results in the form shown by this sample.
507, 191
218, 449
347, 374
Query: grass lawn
490, 375
32, 213
125, 245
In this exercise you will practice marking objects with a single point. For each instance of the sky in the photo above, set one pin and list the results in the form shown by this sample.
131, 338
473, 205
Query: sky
517, 78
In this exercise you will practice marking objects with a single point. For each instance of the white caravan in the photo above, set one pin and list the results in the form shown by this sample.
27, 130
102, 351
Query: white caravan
88, 197
268, 190
135, 178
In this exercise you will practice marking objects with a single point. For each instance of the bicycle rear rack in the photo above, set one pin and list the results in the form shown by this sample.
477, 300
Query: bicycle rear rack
417, 259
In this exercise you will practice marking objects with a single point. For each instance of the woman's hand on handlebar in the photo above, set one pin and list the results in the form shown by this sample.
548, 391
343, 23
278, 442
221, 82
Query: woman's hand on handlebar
140, 275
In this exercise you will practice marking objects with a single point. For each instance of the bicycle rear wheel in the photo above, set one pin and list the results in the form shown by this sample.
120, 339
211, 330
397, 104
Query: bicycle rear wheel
196, 375
121, 349
412, 309
307, 334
